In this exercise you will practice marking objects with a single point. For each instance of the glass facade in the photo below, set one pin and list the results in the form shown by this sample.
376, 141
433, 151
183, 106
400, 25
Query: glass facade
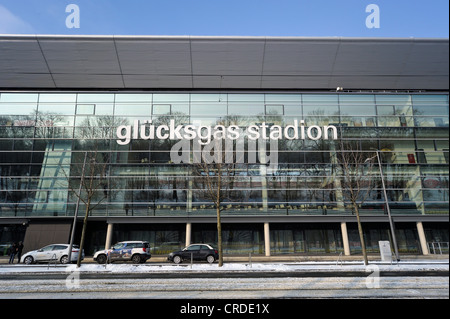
44, 138
125, 145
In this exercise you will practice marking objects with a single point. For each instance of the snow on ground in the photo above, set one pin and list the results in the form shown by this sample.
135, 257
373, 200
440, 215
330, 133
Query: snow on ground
416, 265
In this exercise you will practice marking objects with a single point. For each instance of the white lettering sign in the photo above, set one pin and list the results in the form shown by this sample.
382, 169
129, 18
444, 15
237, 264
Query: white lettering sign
205, 134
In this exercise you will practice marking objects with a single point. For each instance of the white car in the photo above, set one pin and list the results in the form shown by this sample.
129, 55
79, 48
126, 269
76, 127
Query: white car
136, 251
54, 252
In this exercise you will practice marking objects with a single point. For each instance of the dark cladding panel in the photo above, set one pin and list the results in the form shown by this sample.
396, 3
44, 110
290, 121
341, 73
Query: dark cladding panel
39, 235
195, 62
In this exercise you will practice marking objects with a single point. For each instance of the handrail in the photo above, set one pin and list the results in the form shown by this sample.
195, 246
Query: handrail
437, 246
339, 259
54, 259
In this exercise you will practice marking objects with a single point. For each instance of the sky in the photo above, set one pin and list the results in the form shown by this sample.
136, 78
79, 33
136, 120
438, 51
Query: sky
309, 18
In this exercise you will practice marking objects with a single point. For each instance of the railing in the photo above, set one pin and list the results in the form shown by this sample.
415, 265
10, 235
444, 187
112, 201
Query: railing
54, 260
339, 260
438, 247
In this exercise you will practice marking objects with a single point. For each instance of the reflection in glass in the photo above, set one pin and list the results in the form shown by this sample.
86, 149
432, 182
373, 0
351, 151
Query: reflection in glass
38, 142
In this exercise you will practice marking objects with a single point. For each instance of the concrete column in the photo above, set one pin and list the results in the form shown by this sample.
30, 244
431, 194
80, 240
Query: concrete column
109, 232
267, 239
188, 233
345, 239
422, 238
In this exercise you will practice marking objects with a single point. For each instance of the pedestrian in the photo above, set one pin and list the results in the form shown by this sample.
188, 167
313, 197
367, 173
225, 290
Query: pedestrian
12, 252
19, 251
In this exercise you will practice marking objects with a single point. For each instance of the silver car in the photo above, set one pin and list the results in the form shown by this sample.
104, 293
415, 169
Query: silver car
54, 252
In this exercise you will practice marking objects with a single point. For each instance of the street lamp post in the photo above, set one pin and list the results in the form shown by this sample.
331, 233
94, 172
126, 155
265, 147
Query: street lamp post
76, 211
391, 222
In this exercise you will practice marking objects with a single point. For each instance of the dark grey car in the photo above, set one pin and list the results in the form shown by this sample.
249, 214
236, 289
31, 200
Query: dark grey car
198, 252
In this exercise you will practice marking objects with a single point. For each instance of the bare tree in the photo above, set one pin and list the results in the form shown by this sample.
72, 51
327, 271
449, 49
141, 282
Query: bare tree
356, 180
217, 176
93, 186
91, 173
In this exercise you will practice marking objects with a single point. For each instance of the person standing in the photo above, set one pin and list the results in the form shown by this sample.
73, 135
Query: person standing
19, 251
12, 252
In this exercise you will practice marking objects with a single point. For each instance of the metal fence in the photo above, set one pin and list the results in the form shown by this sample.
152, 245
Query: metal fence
438, 247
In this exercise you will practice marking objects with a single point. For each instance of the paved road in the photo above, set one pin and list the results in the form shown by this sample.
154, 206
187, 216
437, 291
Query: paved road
228, 288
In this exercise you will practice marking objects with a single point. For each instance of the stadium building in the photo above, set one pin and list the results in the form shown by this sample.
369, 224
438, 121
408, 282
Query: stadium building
139, 116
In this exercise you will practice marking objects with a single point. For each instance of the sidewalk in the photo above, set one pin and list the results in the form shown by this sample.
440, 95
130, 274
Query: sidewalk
281, 258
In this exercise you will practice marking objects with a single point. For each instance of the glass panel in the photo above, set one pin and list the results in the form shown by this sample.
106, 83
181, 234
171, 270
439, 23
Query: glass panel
85, 108
57, 97
167, 98
429, 110
246, 109
18, 109
160, 109
95, 98
386, 110
134, 98
133, 109
180, 109
293, 110
274, 109
104, 109
430, 99
284, 98
209, 109
19, 97
246, 98
315, 104
68, 109
357, 104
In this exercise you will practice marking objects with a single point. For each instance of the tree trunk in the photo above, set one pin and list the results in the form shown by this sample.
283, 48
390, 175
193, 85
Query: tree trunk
361, 235
219, 237
83, 233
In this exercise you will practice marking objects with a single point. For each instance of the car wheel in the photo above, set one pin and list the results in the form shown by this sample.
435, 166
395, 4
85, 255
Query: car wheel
28, 260
136, 259
177, 259
101, 259
210, 259
64, 259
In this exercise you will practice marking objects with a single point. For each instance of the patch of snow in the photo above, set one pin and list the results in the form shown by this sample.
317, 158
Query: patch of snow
416, 265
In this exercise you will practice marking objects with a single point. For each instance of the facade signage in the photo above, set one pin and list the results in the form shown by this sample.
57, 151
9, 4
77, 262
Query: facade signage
205, 134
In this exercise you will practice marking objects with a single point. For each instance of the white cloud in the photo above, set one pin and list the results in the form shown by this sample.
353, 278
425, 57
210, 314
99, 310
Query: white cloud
12, 24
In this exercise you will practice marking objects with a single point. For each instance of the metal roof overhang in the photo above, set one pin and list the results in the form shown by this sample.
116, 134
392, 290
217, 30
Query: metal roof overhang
53, 62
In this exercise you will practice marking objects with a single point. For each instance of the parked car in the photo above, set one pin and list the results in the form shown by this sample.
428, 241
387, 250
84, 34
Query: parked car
198, 252
136, 251
54, 252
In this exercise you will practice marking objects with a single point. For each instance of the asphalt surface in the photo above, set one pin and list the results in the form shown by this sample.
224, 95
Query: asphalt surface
421, 279
229, 288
